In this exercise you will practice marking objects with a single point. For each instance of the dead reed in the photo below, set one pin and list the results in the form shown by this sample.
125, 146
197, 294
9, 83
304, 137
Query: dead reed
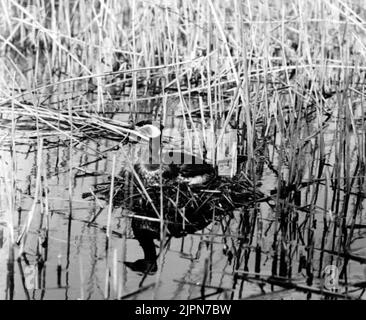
288, 76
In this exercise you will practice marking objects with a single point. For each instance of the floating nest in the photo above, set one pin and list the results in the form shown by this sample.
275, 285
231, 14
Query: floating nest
186, 208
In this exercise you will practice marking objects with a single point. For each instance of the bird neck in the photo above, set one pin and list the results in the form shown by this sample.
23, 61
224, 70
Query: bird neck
154, 152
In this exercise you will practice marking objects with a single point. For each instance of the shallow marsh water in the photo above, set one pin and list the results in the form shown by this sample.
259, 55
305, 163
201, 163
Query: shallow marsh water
81, 252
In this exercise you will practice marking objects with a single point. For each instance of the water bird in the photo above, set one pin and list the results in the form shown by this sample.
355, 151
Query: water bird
180, 173
171, 164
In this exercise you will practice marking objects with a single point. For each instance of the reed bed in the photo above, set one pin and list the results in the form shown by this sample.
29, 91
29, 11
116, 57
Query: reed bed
287, 75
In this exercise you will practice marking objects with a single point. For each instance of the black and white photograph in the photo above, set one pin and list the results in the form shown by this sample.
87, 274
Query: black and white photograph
200, 151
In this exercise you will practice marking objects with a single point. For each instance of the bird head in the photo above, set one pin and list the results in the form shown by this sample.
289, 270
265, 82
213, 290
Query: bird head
153, 134
149, 129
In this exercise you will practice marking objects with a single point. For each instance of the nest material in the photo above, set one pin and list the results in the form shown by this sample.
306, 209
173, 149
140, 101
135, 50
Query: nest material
186, 208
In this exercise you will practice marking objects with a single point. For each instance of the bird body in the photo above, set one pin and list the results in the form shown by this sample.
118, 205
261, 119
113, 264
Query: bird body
194, 171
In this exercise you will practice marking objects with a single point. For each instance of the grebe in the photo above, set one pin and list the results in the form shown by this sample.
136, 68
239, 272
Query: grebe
181, 174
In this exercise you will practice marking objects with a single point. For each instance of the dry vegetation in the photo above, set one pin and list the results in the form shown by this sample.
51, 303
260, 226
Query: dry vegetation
289, 75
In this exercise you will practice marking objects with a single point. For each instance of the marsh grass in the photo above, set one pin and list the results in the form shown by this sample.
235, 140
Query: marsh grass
288, 75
